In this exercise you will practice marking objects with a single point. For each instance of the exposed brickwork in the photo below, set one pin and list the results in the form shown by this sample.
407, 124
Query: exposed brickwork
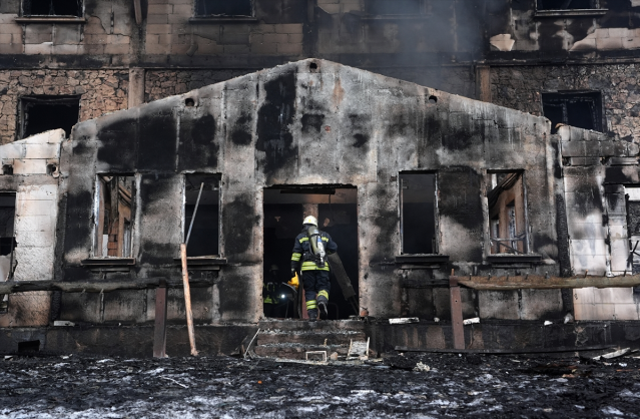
163, 83
100, 91
521, 88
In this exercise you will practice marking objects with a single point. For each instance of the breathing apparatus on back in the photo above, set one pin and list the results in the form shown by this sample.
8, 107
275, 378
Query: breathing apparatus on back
315, 240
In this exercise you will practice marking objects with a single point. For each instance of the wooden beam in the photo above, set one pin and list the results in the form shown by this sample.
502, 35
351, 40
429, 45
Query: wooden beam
507, 283
187, 292
137, 11
95, 286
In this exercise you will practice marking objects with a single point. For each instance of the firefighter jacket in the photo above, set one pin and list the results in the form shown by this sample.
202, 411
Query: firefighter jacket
302, 253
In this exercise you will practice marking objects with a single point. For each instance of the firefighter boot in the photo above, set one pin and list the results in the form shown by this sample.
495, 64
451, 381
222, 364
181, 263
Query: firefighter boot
323, 308
313, 314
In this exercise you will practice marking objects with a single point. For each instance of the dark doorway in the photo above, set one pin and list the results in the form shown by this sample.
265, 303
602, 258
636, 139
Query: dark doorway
43, 113
284, 210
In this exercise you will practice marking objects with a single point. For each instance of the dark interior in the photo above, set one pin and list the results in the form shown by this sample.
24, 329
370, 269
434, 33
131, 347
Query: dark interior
43, 113
578, 109
53, 7
7, 217
284, 210
418, 213
204, 233
224, 8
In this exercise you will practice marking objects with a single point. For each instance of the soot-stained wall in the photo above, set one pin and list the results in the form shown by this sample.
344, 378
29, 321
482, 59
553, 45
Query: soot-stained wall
312, 122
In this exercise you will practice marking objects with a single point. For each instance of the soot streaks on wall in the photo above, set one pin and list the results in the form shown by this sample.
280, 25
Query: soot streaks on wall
274, 119
198, 148
157, 138
239, 219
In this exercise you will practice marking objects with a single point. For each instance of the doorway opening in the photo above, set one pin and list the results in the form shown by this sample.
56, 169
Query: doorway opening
284, 209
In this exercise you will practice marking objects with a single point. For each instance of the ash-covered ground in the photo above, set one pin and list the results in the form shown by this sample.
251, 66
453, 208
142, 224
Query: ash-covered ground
413, 385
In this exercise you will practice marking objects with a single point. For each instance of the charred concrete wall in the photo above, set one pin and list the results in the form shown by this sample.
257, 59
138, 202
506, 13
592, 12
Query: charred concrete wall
597, 172
30, 170
310, 123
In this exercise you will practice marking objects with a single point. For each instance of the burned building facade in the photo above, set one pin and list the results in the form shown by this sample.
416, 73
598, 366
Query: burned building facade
531, 172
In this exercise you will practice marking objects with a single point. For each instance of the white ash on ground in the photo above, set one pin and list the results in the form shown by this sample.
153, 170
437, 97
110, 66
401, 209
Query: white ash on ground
399, 386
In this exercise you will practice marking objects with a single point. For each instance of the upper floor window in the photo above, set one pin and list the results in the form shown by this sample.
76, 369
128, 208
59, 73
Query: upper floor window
52, 8
224, 8
42, 113
113, 216
418, 213
567, 4
579, 109
204, 212
507, 213
395, 7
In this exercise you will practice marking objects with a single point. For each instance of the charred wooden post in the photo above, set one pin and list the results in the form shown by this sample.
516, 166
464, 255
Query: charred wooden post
456, 313
160, 327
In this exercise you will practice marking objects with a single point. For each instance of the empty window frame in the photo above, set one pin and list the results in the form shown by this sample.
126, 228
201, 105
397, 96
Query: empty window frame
52, 8
204, 232
633, 226
507, 213
114, 215
7, 241
42, 113
395, 7
567, 4
418, 213
579, 109
224, 8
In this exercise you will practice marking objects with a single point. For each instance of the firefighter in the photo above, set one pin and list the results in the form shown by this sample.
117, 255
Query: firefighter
309, 256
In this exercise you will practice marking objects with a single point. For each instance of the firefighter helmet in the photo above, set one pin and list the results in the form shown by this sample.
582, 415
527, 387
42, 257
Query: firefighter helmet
310, 220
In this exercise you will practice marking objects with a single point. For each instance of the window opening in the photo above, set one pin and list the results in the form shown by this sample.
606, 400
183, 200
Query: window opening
507, 213
417, 213
567, 4
52, 8
395, 7
579, 109
7, 241
114, 216
633, 225
43, 113
205, 231
224, 8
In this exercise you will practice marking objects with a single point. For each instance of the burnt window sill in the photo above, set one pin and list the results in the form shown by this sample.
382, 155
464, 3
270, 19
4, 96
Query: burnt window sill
108, 262
50, 19
571, 12
422, 260
511, 259
211, 263
217, 20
